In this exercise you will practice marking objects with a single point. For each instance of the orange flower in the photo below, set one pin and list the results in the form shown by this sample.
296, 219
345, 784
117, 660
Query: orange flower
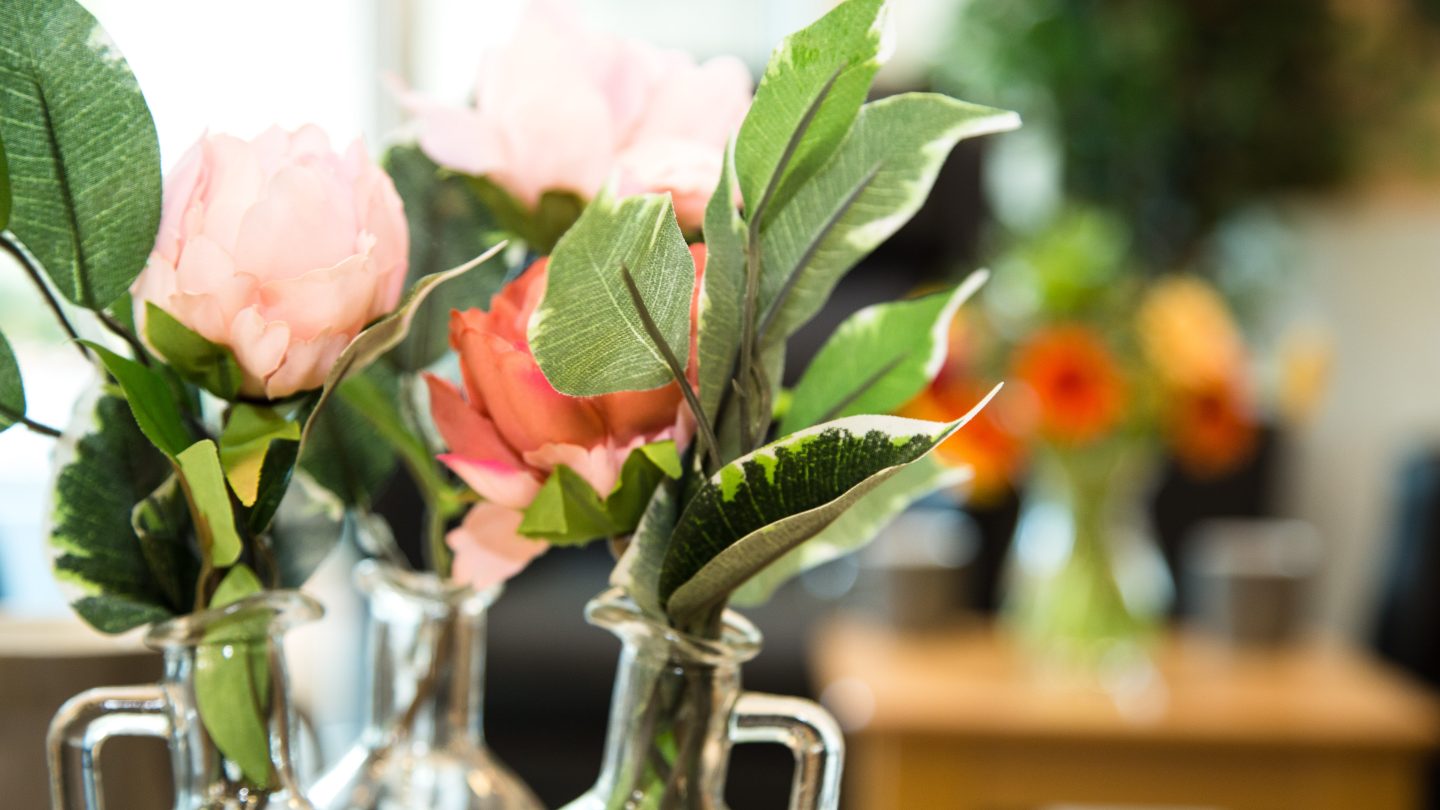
987, 444
1078, 387
1212, 428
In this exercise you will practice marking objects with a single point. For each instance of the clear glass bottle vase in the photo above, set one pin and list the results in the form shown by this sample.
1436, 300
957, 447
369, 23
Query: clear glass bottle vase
678, 708
209, 657
424, 744
1086, 579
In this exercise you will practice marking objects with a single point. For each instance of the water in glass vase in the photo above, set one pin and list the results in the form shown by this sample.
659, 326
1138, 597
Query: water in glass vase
424, 742
677, 709
222, 706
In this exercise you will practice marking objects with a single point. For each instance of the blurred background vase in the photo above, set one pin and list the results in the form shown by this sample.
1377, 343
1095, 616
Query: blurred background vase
678, 708
1086, 577
226, 752
424, 742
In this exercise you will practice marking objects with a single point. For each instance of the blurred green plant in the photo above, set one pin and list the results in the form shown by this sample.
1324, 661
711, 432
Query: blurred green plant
1172, 114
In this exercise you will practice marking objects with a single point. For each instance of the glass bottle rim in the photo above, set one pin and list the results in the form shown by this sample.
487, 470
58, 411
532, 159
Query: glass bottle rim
279, 611
615, 611
426, 587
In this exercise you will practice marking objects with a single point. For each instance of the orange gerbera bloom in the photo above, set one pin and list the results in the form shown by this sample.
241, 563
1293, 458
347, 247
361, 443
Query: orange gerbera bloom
1078, 386
1212, 428
987, 444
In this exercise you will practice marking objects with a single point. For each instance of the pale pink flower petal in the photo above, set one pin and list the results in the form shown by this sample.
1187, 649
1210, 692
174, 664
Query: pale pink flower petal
488, 546
599, 465
259, 348
305, 361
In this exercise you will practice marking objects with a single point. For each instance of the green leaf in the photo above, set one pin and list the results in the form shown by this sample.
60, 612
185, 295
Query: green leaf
12, 388
638, 570
759, 507
208, 365
204, 483
151, 400
342, 453
384, 335
232, 680
162, 525
722, 290
820, 75
4, 188
878, 359
108, 472
375, 398
84, 160
586, 334
245, 441
448, 224
568, 511
855, 527
873, 184
275, 476
308, 525
540, 229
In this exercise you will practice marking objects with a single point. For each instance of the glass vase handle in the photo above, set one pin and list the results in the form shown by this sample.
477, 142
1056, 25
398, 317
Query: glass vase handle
83, 725
808, 731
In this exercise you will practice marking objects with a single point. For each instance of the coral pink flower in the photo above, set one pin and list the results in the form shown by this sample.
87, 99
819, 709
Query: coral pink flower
558, 107
509, 429
278, 248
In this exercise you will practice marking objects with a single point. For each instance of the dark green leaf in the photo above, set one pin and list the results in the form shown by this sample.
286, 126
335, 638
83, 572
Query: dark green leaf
343, 455
448, 224
12, 388
307, 528
162, 525
820, 74
204, 483
856, 526
245, 441
541, 228
878, 359
111, 469
208, 365
375, 396
232, 681
638, 570
151, 400
4, 188
568, 511
84, 160
275, 477
587, 334
759, 507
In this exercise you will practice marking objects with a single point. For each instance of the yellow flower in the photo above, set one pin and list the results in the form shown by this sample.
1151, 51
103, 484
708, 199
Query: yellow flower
1187, 334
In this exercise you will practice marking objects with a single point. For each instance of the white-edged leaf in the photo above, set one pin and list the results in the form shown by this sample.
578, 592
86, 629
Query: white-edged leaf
759, 507
722, 290
872, 185
586, 334
12, 388
812, 87
856, 527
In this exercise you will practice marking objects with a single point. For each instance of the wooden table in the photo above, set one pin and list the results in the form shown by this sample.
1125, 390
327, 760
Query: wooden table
962, 720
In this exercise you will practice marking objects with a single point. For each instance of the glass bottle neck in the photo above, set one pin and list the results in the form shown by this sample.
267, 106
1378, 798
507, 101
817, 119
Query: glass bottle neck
225, 753
428, 671
669, 727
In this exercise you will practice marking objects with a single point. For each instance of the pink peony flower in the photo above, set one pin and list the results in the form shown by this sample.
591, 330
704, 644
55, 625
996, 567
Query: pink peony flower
509, 429
278, 248
562, 108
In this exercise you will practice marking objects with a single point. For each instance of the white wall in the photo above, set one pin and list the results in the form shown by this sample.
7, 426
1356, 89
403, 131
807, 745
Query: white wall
1371, 273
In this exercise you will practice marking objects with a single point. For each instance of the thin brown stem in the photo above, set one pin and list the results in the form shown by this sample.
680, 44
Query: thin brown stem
32, 269
118, 329
707, 434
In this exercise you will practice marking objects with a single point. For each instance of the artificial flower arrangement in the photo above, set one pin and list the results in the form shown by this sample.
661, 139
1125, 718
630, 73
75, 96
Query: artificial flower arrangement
626, 386
1107, 370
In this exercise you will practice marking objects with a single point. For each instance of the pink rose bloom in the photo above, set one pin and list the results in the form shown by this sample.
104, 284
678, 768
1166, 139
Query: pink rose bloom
509, 429
559, 107
278, 248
